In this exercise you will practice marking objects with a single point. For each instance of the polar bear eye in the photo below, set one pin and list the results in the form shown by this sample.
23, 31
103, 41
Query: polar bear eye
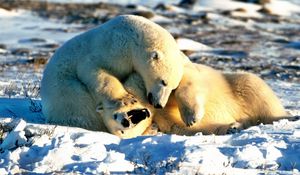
154, 55
164, 83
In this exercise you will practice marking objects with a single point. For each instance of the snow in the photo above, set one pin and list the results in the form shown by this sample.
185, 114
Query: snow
250, 10
57, 149
191, 45
6, 13
21, 25
15, 138
282, 8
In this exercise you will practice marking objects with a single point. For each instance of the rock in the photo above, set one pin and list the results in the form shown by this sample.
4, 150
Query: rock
3, 46
161, 7
131, 6
15, 138
256, 1
187, 3
146, 14
32, 40
49, 46
21, 51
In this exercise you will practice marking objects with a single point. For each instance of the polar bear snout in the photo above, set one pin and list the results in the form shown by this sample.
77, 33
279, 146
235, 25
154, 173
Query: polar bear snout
122, 119
150, 100
125, 123
159, 96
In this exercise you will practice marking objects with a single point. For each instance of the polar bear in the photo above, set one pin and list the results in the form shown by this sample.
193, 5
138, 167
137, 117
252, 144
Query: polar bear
86, 71
227, 101
223, 101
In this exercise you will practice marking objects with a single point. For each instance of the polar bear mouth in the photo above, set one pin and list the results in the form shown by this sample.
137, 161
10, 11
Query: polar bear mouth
132, 117
137, 115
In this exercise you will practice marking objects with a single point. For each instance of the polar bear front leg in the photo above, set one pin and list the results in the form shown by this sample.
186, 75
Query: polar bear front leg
190, 96
191, 106
105, 88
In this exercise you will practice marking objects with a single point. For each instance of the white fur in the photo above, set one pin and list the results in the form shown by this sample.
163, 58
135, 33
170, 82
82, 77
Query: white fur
211, 102
86, 71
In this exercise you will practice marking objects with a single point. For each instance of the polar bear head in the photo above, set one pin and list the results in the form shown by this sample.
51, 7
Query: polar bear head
156, 57
130, 119
126, 121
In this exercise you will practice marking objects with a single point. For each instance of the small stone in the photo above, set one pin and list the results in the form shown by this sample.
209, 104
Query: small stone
187, 3
32, 40
49, 46
144, 13
3, 46
21, 51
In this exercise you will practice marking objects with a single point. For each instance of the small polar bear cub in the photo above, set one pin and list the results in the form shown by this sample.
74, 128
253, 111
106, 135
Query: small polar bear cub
225, 102
86, 72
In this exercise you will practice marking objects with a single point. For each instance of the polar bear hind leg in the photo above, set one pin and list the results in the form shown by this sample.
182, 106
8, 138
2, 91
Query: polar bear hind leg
72, 105
257, 99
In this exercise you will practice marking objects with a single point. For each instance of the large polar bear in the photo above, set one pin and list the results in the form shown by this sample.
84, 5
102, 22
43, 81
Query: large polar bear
87, 71
223, 102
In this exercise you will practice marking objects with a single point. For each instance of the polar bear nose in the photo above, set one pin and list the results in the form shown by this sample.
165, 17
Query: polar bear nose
125, 123
120, 118
150, 98
159, 106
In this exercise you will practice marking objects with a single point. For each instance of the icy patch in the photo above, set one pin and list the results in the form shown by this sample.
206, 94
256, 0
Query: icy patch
220, 20
161, 19
250, 10
23, 25
289, 93
6, 13
28, 109
191, 45
282, 8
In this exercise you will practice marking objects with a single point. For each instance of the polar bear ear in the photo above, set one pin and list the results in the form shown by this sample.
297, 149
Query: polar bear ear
155, 55
99, 109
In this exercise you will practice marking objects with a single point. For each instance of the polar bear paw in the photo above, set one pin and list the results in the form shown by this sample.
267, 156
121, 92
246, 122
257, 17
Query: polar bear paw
234, 128
189, 120
190, 117
126, 100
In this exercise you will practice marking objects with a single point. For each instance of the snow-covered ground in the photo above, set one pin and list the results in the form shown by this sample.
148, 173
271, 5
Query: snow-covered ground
29, 146
37, 148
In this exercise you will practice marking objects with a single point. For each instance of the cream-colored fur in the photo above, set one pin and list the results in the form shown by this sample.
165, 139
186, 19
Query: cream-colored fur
221, 101
227, 101
85, 73
115, 118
